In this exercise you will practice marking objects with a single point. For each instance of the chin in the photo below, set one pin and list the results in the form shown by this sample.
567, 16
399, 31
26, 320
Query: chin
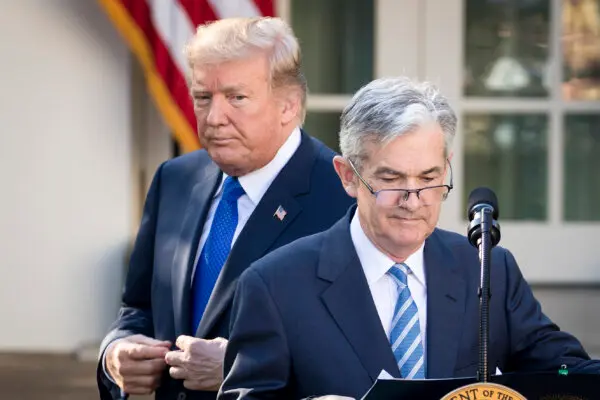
409, 240
231, 164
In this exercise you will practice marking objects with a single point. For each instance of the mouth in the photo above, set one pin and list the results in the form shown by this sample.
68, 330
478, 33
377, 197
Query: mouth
221, 140
404, 219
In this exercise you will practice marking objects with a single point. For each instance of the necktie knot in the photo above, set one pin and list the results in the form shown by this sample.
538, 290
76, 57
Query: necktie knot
232, 190
399, 273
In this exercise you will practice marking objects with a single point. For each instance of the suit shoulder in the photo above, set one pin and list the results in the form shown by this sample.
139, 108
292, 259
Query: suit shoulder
452, 238
189, 162
323, 151
459, 244
324, 157
288, 259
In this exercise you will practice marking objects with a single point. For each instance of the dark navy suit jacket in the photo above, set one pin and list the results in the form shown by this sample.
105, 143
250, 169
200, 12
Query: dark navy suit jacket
156, 299
304, 322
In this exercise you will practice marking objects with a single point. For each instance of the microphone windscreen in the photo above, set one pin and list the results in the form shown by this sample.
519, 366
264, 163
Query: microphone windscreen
483, 195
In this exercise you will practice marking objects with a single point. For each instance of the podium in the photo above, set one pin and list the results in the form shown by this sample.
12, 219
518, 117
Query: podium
534, 386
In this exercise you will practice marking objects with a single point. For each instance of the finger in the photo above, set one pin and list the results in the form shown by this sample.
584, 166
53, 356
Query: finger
178, 373
194, 385
185, 342
219, 342
148, 341
141, 385
148, 381
201, 383
144, 352
175, 358
143, 368
135, 390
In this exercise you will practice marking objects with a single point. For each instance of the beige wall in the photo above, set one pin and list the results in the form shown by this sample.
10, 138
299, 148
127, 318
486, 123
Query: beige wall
65, 173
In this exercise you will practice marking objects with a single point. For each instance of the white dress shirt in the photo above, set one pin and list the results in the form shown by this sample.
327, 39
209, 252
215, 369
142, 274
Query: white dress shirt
255, 185
383, 287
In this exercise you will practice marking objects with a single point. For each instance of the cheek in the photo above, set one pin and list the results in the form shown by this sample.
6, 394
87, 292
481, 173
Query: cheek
200, 121
432, 215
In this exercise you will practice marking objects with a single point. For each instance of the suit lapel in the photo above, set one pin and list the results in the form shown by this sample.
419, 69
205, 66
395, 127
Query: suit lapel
187, 246
262, 229
445, 307
350, 302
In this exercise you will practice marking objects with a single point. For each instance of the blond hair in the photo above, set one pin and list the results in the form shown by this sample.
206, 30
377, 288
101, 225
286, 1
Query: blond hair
238, 38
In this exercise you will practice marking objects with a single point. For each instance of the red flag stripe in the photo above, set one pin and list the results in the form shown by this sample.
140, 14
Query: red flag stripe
199, 11
133, 21
172, 76
266, 7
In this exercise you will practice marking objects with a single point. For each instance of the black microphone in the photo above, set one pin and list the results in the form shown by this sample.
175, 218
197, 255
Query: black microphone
484, 233
482, 200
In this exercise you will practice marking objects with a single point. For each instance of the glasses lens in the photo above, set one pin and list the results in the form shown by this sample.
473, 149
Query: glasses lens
433, 195
390, 198
427, 196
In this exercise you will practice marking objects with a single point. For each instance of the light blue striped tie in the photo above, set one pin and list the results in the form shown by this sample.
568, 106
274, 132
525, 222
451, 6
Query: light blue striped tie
405, 336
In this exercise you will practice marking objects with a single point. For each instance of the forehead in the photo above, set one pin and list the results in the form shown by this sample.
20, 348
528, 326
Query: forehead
412, 152
252, 71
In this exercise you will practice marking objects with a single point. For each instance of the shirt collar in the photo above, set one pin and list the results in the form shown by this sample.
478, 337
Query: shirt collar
256, 183
374, 262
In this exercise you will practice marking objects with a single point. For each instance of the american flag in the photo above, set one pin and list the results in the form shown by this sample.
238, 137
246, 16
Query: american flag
280, 213
156, 32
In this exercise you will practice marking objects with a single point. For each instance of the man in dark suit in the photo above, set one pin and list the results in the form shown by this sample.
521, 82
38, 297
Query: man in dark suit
259, 183
384, 289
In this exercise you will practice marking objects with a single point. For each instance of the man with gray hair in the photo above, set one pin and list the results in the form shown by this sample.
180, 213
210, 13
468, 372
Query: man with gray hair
384, 289
259, 182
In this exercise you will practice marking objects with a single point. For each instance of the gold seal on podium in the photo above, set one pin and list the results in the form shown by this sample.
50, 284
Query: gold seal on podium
483, 391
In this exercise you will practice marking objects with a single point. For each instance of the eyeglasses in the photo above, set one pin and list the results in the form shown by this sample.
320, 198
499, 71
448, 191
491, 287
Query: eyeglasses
428, 195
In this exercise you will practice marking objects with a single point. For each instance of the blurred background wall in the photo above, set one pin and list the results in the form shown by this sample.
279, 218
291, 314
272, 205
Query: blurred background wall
66, 208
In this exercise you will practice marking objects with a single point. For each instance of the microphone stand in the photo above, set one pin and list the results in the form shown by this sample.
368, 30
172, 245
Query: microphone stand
485, 247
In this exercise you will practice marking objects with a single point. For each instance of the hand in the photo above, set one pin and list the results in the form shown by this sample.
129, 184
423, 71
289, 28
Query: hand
136, 363
199, 362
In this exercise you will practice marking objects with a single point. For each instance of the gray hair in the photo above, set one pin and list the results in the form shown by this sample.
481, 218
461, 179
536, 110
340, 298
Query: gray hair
390, 107
237, 38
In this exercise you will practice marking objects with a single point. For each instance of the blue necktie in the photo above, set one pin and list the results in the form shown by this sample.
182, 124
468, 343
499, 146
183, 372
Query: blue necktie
216, 248
405, 336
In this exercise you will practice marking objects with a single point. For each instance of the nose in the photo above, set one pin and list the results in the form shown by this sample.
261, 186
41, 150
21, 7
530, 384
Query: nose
412, 203
217, 115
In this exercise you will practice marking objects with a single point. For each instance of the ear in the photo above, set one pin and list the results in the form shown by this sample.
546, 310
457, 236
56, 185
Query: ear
290, 104
347, 175
447, 168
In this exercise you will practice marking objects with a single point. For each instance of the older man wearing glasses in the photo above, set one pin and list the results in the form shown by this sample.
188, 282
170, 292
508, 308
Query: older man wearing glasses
384, 289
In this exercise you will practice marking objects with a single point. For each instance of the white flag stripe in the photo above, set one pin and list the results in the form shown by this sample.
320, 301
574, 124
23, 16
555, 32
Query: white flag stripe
234, 8
174, 27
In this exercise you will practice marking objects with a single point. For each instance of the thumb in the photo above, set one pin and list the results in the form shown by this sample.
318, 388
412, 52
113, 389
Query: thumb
148, 341
185, 342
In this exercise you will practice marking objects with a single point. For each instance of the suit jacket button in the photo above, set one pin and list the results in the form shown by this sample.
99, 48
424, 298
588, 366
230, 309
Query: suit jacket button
181, 396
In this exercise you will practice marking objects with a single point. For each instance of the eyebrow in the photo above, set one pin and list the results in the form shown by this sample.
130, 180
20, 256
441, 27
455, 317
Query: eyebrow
225, 89
389, 171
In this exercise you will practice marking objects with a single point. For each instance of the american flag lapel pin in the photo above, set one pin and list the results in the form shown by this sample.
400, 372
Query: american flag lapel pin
280, 213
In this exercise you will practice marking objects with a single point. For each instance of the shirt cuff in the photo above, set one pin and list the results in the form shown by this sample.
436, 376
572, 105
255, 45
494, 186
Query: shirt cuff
104, 364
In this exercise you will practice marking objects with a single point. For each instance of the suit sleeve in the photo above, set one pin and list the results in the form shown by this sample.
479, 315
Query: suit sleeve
257, 359
537, 344
135, 314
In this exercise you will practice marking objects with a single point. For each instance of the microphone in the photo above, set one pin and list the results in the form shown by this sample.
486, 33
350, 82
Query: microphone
483, 200
483, 233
